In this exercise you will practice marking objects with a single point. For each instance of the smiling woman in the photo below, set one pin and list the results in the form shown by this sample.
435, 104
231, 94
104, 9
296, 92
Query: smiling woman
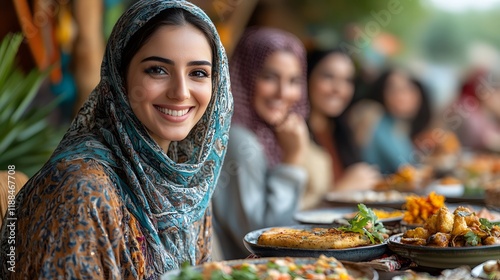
262, 177
126, 193
172, 72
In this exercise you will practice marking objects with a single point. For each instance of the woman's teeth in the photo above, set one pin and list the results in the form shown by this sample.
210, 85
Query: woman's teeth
175, 113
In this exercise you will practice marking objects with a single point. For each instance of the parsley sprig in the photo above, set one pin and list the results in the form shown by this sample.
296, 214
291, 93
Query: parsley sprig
472, 239
486, 225
366, 222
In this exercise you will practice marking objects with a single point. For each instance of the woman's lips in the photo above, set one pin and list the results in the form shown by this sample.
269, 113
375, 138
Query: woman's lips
172, 114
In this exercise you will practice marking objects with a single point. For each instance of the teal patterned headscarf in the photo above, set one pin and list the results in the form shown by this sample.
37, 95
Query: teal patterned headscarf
162, 191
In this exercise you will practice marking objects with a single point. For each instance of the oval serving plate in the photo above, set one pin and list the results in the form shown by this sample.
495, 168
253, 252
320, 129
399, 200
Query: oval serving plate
372, 199
323, 216
356, 254
450, 257
357, 271
386, 221
328, 216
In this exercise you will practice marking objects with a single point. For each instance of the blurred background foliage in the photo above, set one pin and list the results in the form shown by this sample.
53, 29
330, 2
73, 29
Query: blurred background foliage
27, 138
424, 29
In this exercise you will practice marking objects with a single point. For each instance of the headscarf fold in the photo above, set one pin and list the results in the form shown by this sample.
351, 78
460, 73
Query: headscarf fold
249, 56
164, 194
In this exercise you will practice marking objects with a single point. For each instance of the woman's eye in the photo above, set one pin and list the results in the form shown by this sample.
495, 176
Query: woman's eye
296, 81
156, 70
267, 77
200, 74
328, 76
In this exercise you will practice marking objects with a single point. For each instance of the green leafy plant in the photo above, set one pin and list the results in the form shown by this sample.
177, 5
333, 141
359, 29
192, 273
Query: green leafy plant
27, 139
366, 223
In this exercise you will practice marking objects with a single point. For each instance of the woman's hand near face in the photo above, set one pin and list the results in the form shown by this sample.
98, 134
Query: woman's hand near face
359, 176
293, 137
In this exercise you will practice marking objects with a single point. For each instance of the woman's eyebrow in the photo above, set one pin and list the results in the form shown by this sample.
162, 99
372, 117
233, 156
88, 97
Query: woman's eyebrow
171, 62
269, 71
199, 62
160, 59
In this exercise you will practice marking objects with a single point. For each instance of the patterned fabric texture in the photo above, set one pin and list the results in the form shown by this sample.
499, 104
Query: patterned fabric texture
250, 54
110, 203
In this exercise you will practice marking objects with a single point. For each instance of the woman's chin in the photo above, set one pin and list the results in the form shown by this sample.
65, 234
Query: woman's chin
276, 121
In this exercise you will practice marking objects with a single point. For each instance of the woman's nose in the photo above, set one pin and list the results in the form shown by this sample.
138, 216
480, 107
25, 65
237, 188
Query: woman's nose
285, 89
179, 89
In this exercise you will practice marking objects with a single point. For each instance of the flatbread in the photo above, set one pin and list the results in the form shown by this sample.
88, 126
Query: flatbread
314, 238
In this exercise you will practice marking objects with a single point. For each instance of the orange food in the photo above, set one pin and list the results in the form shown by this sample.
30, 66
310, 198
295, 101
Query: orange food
381, 214
450, 181
407, 178
404, 179
420, 208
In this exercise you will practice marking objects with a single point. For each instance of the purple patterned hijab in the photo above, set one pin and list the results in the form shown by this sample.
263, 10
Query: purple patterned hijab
250, 54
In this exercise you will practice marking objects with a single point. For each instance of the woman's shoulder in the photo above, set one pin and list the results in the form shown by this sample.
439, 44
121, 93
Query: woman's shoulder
77, 178
240, 136
362, 118
244, 147
238, 133
84, 170
365, 109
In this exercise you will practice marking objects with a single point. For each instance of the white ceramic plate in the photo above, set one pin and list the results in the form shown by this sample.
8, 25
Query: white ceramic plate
373, 199
479, 272
327, 216
450, 190
324, 216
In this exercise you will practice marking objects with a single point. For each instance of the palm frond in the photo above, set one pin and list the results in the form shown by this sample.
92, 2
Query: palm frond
27, 139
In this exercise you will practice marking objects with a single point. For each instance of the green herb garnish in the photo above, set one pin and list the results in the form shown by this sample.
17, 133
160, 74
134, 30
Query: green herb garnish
220, 275
486, 225
188, 272
272, 265
244, 275
366, 222
472, 239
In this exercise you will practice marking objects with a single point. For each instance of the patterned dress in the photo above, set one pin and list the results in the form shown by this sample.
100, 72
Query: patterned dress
110, 203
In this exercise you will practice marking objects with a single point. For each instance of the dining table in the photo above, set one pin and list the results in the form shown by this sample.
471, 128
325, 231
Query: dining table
333, 211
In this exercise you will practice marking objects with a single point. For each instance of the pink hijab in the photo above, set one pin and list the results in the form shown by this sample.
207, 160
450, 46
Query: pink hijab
247, 61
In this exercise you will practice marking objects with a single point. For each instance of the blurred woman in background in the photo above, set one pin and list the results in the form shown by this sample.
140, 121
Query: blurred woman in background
386, 123
331, 76
262, 179
479, 127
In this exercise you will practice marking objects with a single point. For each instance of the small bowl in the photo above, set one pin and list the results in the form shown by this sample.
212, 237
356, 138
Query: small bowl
451, 190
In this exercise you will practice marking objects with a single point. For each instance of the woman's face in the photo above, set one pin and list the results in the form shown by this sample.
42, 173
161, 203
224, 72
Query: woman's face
331, 85
489, 96
278, 87
169, 82
402, 96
